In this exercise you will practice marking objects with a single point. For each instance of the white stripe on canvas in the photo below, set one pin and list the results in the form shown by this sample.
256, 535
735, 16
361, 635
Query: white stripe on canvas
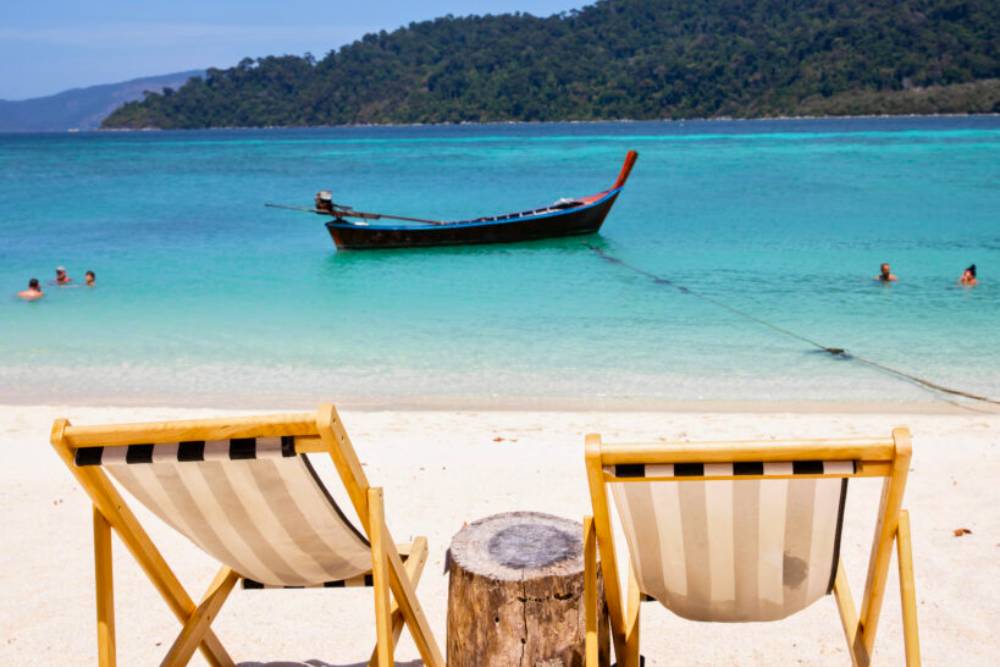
166, 453
771, 540
623, 505
838, 467
113, 456
270, 526
268, 447
718, 469
672, 539
221, 522
216, 450
824, 529
353, 555
660, 470
721, 551
778, 468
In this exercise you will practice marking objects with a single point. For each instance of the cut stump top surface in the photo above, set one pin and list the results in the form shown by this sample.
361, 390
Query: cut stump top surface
519, 545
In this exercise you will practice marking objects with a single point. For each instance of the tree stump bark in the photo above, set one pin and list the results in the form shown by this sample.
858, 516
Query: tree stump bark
515, 594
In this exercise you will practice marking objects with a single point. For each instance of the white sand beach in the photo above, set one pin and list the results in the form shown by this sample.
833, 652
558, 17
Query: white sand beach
440, 469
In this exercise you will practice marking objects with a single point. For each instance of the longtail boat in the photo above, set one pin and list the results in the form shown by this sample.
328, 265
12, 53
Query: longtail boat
352, 230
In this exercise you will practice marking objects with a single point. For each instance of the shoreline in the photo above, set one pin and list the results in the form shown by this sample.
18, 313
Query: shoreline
531, 405
501, 123
507, 123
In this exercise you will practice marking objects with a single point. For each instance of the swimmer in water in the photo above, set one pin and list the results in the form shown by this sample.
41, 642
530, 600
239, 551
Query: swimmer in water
885, 274
33, 293
968, 276
90, 279
61, 277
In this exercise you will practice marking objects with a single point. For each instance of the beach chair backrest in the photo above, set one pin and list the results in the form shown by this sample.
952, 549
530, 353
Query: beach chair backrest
731, 532
243, 491
730, 549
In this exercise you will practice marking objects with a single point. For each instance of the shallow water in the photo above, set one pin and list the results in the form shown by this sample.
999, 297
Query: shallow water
205, 296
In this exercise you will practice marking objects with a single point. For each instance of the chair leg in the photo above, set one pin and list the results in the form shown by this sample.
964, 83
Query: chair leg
592, 640
632, 657
197, 625
380, 579
413, 613
606, 545
885, 533
414, 565
105, 591
907, 590
849, 619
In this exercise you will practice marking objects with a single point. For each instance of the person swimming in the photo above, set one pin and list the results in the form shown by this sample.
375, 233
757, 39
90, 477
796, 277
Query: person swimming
61, 277
885, 274
968, 276
33, 293
90, 279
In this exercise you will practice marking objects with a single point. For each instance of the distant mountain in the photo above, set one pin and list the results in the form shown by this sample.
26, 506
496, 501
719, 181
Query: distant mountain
81, 108
639, 59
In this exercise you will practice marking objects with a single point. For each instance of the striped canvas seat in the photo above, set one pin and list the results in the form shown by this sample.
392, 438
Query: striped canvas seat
741, 531
243, 490
252, 503
733, 550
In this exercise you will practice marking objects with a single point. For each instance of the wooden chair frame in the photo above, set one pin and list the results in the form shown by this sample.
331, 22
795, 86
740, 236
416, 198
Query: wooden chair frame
322, 432
887, 459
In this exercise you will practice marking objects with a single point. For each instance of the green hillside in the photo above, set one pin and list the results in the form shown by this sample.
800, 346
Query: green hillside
639, 59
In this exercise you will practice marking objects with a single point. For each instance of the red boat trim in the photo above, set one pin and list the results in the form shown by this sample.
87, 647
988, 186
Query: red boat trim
630, 158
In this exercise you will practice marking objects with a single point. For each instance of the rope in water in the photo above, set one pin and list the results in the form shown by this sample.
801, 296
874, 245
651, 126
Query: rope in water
835, 351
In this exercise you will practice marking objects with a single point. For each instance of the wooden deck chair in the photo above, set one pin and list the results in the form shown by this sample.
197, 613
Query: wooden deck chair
244, 491
743, 531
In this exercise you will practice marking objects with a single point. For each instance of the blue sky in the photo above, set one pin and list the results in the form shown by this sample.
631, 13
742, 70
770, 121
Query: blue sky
50, 45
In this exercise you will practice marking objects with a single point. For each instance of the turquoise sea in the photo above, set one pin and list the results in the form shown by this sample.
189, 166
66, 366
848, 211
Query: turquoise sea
206, 297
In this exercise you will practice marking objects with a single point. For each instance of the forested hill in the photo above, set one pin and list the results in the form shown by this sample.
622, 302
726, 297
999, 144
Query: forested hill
636, 59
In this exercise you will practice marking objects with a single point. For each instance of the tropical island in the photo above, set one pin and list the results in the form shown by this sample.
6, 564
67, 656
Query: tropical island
620, 59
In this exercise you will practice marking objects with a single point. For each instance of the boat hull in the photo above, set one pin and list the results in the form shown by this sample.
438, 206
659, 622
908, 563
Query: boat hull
577, 221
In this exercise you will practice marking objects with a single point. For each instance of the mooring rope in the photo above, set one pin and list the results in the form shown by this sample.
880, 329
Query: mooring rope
838, 352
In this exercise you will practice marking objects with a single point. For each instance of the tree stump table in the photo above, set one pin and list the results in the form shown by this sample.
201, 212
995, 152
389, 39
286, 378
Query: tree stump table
515, 593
